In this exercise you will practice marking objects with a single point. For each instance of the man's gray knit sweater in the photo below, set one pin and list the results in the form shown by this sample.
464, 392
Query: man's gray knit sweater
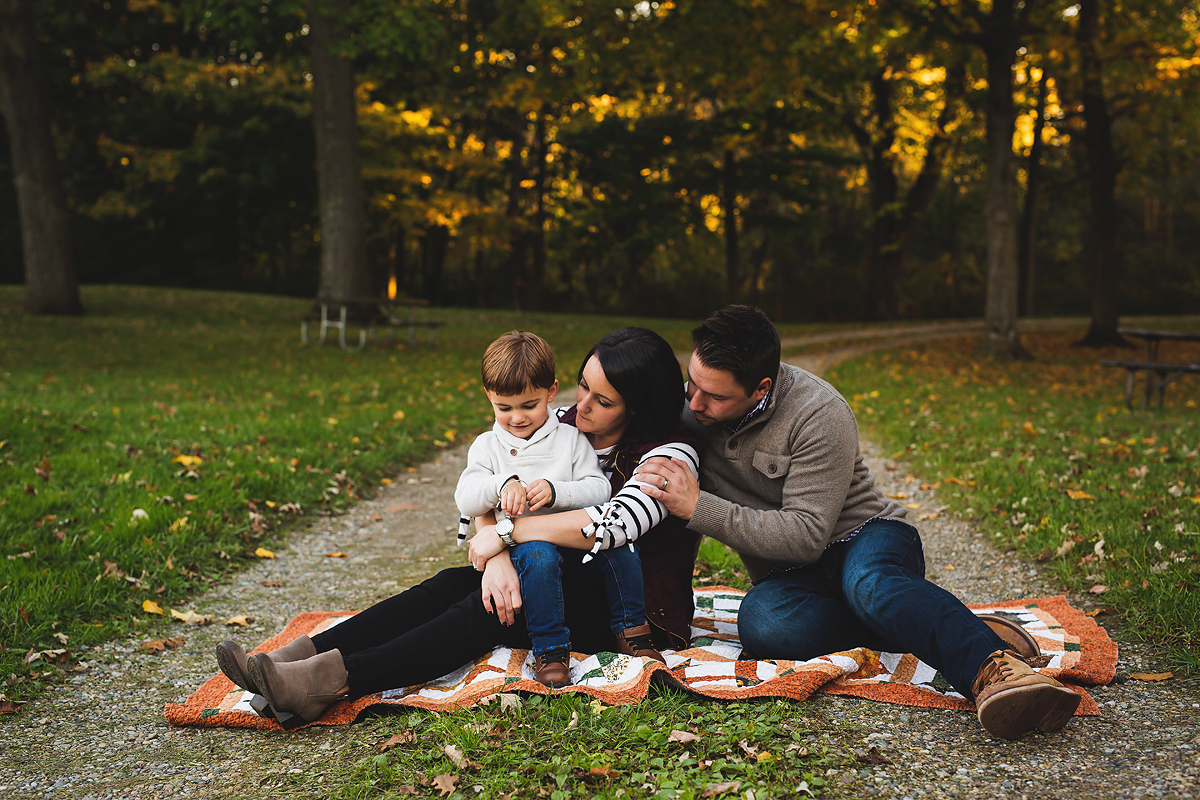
790, 481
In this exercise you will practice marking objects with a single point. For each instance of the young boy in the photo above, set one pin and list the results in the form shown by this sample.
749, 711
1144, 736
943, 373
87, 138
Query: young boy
529, 462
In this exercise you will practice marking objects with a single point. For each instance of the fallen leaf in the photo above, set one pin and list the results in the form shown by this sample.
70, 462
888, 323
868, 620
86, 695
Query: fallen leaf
930, 515
270, 504
446, 782
873, 756
604, 772
508, 701
714, 789
683, 737
948, 566
159, 645
408, 737
1105, 611
574, 723
764, 756
898, 496
190, 497
958, 481
190, 617
747, 748
10, 706
187, 461
1028, 429
151, 607
273, 583
597, 707
457, 757
1079, 494
403, 507
377, 518
62, 637
338, 554
1064, 547
1150, 676
1099, 588
240, 619
263, 552
178, 525
913, 505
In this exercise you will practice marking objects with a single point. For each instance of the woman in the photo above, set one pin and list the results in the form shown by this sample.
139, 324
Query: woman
628, 401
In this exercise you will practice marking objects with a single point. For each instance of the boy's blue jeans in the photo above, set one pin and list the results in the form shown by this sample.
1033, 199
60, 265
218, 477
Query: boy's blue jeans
543, 567
870, 592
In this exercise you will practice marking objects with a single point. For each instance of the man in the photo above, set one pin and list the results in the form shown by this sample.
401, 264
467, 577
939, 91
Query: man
833, 562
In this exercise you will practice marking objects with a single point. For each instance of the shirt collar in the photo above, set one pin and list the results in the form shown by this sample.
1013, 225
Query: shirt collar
754, 412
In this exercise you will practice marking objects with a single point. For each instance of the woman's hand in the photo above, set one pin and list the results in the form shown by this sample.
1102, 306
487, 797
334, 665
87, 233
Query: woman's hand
501, 589
483, 546
671, 483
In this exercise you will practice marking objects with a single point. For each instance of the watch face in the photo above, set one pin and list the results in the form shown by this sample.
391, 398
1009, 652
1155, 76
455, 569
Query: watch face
505, 526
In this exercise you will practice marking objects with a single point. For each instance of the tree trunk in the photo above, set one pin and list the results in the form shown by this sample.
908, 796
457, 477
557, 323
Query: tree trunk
50, 284
1001, 339
538, 234
1101, 247
733, 266
339, 173
1029, 220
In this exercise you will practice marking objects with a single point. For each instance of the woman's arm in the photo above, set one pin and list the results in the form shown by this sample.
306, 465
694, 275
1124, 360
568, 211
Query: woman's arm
630, 513
501, 589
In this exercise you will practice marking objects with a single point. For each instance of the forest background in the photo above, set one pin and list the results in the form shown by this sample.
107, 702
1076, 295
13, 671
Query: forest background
825, 160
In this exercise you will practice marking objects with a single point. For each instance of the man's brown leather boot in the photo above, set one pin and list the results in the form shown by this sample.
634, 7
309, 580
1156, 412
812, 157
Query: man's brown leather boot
1011, 698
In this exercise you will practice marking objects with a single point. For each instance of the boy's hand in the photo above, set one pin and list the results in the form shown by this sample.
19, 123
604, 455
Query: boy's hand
539, 493
513, 498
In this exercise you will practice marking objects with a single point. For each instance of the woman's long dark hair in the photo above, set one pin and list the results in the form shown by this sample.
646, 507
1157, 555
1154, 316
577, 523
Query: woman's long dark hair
642, 367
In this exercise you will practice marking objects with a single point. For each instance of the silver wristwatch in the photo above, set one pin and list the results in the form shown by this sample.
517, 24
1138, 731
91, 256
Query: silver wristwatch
504, 529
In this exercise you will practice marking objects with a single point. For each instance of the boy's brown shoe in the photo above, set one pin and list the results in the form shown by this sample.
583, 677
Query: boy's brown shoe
1016, 637
553, 669
1011, 698
635, 642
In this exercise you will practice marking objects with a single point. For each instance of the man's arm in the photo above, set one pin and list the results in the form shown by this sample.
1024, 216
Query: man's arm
819, 470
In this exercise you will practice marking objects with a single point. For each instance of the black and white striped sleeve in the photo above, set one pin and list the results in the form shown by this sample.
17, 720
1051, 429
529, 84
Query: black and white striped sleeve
631, 512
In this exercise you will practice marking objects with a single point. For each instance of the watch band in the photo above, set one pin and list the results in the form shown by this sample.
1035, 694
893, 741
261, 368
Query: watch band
505, 531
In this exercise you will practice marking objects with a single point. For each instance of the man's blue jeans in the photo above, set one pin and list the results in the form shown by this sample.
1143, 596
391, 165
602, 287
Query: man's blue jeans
543, 567
870, 592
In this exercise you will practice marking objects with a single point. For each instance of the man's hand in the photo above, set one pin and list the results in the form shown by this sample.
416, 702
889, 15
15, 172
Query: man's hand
501, 589
483, 546
513, 497
672, 483
538, 493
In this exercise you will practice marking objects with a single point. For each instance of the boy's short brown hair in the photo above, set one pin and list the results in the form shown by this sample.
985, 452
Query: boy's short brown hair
516, 362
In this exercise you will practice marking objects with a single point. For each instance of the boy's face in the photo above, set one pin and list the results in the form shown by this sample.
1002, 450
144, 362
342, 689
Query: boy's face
523, 414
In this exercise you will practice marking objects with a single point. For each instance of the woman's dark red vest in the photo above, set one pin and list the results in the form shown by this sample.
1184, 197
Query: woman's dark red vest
668, 551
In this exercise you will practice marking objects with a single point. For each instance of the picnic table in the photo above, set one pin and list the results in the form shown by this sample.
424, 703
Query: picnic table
370, 313
1159, 374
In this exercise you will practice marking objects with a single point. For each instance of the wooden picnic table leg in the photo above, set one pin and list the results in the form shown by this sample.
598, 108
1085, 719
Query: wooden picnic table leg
325, 323
1130, 374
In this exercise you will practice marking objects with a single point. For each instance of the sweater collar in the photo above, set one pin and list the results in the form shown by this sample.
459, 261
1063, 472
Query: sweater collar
518, 443
766, 407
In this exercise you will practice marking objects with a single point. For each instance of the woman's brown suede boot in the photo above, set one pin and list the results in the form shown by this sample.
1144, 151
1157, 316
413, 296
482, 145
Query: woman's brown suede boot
231, 658
300, 691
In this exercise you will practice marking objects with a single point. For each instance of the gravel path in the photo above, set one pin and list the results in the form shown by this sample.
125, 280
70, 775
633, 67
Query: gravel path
102, 734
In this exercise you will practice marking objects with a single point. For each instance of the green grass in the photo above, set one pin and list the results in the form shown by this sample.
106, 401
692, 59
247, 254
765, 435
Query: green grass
102, 415
573, 746
1044, 456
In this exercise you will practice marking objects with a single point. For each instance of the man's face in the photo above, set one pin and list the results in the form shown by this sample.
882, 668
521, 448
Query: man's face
714, 395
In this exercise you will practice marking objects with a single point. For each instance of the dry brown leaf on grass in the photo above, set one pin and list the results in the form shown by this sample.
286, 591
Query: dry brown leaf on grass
446, 783
574, 723
59, 656
459, 758
240, 619
263, 552
1106, 611
747, 748
159, 645
1150, 676
604, 772
1079, 494
683, 737
714, 789
151, 607
273, 583
1099, 588
1064, 547
338, 554
191, 617
930, 515
408, 737
10, 706
508, 702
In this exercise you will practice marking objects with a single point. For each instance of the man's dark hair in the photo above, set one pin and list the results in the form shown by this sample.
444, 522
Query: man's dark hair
740, 340
642, 367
